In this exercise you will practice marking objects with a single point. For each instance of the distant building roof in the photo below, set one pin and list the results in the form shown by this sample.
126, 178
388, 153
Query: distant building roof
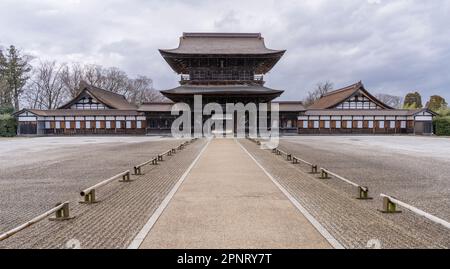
194, 45
108, 98
364, 112
220, 89
290, 106
82, 112
156, 107
334, 98
226, 90
221, 44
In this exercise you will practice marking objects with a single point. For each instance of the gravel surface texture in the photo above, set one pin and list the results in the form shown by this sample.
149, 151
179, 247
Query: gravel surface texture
354, 223
415, 170
37, 173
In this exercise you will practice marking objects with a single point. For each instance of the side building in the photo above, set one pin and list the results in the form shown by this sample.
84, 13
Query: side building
92, 111
353, 110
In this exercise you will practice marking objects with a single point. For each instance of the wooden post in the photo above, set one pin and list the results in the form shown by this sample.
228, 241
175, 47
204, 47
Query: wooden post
314, 169
63, 213
289, 157
324, 174
363, 193
137, 170
89, 198
126, 178
389, 206
294, 160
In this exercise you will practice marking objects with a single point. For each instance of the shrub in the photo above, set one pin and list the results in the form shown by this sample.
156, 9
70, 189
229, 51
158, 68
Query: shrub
442, 125
8, 125
6, 110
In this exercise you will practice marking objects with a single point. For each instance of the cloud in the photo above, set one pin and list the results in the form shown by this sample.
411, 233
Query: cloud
393, 46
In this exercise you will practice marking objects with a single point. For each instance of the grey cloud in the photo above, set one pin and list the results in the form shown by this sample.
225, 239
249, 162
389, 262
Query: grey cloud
393, 46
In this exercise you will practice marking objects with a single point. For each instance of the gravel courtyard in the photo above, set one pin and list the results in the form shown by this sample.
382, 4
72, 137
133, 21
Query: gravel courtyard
413, 169
36, 173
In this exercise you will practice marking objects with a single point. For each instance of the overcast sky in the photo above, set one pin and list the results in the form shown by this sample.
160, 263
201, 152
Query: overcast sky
392, 46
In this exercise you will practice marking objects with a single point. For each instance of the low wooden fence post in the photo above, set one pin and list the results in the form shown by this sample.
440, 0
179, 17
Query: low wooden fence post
389, 206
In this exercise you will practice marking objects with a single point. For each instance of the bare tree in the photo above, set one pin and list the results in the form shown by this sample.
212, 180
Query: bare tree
71, 77
136, 90
46, 90
141, 90
390, 100
93, 74
115, 80
321, 89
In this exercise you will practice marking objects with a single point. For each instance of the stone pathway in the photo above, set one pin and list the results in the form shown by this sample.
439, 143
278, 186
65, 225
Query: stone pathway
227, 201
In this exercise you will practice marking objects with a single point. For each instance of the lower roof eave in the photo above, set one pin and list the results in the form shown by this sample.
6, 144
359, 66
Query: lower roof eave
177, 97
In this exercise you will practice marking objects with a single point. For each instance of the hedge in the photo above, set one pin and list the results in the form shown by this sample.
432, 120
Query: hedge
8, 125
442, 125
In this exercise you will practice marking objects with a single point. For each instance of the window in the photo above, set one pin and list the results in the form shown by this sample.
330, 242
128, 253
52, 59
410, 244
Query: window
128, 124
338, 124
88, 125
327, 124
108, 124
349, 124
316, 124
58, 125
118, 124
47, 125
139, 124
403, 124
381, 124
370, 123
392, 124
67, 124
97, 125
360, 124
77, 125
305, 124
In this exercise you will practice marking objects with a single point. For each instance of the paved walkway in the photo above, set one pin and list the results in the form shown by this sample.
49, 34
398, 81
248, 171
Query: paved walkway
227, 201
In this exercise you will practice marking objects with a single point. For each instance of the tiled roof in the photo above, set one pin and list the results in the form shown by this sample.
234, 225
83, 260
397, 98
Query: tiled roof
156, 107
334, 98
222, 90
82, 112
110, 99
290, 106
362, 112
221, 44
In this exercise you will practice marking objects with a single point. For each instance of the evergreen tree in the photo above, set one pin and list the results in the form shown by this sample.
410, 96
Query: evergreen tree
413, 101
5, 100
15, 68
436, 103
